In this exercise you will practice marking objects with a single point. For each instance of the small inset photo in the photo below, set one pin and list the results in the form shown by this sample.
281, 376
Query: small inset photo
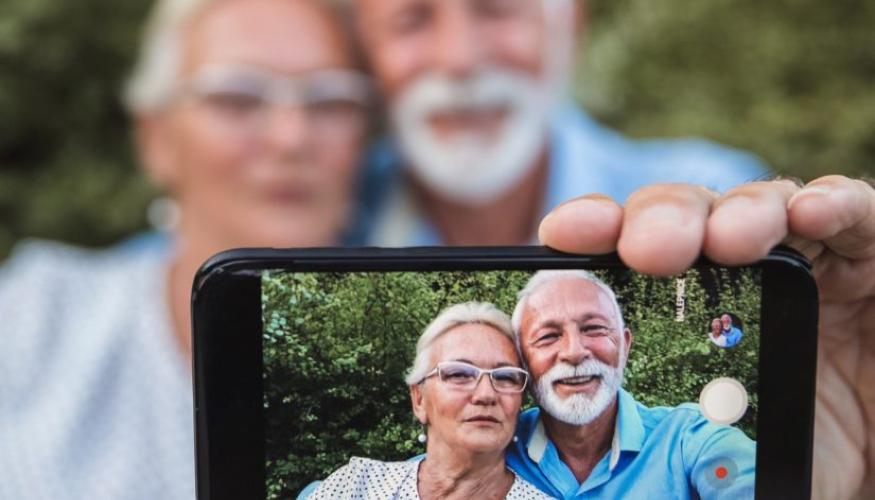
726, 330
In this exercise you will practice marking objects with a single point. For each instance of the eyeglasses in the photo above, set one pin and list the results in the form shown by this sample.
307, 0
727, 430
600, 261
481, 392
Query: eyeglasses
333, 100
505, 379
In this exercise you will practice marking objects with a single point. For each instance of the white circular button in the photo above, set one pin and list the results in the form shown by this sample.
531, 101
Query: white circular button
723, 401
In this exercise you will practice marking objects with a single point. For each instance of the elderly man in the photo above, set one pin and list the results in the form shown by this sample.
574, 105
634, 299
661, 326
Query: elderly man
485, 140
731, 333
590, 438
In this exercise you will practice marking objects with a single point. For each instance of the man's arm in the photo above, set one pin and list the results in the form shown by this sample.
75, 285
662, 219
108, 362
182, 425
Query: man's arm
664, 228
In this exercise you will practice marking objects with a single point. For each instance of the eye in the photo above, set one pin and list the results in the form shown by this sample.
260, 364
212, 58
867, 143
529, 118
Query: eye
595, 330
412, 19
499, 8
509, 378
233, 103
547, 338
457, 374
335, 108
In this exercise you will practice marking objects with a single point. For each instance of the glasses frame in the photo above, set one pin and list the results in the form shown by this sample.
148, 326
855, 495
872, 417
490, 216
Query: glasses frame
480, 372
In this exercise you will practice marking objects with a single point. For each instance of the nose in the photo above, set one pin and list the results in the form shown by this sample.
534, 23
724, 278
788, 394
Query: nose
459, 48
287, 129
574, 349
484, 393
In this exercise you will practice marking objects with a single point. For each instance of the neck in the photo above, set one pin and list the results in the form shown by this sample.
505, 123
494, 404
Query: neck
194, 244
509, 220
581, 447
448, 474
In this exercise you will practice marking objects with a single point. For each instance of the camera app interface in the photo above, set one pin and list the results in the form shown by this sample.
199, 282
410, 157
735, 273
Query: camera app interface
582, 384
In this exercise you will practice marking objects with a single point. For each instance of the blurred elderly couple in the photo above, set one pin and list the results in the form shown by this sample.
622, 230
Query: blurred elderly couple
259, 118
588, 438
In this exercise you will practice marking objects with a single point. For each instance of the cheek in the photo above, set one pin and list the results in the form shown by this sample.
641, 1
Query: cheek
518, 44
207, 157
511, 406
397, 63
337, 164
606, 350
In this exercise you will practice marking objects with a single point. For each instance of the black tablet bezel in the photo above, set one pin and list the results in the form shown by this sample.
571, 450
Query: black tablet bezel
227, 356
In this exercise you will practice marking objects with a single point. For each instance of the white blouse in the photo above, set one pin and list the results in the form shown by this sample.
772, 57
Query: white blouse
366, 479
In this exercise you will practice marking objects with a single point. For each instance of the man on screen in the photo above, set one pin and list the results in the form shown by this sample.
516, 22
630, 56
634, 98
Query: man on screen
731, 333
590, 438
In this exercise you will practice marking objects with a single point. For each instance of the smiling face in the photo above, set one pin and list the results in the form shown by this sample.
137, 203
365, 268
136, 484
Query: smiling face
716, 326
571, 339
276, 181
478, 420
726, 320
469, 85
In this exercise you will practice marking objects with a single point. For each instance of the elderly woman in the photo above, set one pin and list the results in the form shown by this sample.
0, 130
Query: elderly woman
716, 333
250, 114
466, 386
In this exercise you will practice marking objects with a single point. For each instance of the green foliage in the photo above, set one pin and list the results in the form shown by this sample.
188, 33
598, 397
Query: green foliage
789, 80
337, 346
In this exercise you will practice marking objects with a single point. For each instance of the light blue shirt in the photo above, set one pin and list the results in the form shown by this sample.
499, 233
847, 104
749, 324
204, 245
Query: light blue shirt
584, 157
656, 453
733, 336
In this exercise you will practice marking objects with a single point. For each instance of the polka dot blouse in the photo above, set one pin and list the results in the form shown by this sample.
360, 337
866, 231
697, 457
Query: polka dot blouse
366, 479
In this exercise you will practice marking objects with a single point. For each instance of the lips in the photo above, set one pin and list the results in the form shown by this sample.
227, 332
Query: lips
574, 381
482, 418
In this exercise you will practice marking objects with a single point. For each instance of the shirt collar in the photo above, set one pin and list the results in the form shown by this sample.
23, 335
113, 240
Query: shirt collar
628, 432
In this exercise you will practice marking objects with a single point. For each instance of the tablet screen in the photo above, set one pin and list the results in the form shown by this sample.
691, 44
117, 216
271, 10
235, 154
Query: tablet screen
682, 383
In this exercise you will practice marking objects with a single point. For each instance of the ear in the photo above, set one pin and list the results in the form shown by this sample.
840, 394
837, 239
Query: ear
418, 402
627, 336
155, 144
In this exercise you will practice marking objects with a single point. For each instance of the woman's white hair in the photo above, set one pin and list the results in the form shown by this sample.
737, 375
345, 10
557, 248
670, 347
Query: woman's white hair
153, 80
466, 313
541, 278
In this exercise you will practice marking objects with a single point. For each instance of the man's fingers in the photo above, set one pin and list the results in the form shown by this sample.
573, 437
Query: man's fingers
586, 225
663, 228
748, 221
838, 211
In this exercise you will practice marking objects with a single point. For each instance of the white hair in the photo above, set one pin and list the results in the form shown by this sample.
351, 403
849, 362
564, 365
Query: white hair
153, 80
542, 278
466, 313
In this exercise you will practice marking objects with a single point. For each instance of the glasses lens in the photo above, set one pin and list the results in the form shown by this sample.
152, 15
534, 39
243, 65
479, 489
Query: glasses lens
457, 373
509, 379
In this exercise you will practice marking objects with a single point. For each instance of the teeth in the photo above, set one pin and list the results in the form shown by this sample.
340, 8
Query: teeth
577, 380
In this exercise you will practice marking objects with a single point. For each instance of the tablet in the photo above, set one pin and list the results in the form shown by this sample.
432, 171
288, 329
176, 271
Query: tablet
300, 358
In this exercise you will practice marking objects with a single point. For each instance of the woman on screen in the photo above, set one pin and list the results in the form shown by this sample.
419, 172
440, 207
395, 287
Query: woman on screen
466, 387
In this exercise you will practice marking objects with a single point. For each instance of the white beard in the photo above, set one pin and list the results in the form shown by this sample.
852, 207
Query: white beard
579, 409
470, 168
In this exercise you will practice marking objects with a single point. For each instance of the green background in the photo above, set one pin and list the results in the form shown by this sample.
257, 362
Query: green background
337, 347
790, 80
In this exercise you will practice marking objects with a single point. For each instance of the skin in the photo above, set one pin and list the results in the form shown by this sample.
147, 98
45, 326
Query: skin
716, 328
570, 321
726, 322
466, 457
405, 39
831, 220
284, 187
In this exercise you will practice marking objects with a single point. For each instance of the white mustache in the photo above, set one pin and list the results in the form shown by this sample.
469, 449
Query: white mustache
588, 368
437, 93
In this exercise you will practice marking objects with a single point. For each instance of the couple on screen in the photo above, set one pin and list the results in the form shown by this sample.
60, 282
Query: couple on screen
567, 343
